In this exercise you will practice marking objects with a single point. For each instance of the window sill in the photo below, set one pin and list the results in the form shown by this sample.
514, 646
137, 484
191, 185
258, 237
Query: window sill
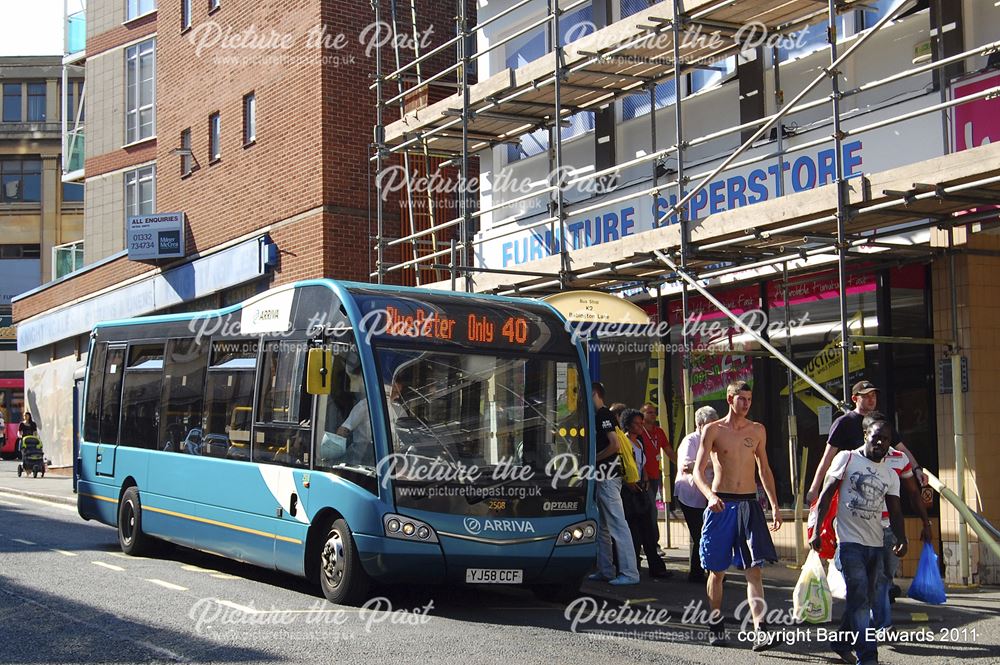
139, 142
215, 9
129, 21
185, 30
21, 205
250, 144
215, 161
185, 176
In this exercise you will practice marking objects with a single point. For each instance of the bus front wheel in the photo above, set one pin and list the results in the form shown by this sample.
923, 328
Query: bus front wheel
130, 536
341, 576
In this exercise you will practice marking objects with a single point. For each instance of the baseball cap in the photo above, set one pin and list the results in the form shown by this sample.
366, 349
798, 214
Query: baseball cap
863, 388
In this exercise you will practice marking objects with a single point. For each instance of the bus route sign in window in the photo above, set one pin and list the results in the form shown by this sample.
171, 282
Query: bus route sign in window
486, 323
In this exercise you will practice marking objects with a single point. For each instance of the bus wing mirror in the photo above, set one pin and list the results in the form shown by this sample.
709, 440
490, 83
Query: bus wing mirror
318, 372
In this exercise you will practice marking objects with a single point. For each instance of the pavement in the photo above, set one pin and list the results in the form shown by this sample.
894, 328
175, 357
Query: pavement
683, 600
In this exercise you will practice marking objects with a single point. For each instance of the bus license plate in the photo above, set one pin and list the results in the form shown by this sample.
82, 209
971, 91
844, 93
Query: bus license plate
493, 576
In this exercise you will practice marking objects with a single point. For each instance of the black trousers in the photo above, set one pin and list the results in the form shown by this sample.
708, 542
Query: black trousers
694, 517
644, 535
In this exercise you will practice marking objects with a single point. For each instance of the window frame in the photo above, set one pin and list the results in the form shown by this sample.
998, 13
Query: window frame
187, 160
19, 86
214, 5
186, 15
133, 67
137, 4
21, 160
131, 210
28, 97
214, 137
249, 119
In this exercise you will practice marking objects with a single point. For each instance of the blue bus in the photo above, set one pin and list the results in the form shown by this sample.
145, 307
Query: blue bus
351, 434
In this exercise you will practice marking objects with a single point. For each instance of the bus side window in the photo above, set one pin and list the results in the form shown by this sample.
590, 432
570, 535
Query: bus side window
281, 433
229, 386
141, 396
112, 393
182, 399
95, 392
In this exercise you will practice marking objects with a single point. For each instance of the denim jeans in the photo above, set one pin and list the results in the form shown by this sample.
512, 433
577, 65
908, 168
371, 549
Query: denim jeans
862, 567
881, 608
612, 526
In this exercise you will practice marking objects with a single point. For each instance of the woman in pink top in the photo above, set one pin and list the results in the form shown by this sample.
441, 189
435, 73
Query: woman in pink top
688, 495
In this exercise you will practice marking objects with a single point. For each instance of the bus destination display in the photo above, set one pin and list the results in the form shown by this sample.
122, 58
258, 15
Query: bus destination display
485, 327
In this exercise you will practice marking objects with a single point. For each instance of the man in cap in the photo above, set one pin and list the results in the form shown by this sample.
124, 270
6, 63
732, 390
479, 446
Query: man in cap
846, 433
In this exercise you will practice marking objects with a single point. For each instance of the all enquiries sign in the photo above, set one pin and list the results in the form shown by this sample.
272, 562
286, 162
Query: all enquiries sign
157, 236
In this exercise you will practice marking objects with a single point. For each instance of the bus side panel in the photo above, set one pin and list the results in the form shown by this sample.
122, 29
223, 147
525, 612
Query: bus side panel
97, 496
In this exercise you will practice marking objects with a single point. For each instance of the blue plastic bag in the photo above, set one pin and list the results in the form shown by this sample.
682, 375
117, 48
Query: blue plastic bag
927, 584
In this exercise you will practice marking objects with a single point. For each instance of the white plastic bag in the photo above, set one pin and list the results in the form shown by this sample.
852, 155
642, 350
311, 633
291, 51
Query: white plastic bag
811, 599
838, 585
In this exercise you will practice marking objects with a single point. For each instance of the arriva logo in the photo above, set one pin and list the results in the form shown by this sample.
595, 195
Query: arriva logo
475, 526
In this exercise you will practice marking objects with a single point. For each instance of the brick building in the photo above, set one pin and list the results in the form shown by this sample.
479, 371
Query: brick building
254, 121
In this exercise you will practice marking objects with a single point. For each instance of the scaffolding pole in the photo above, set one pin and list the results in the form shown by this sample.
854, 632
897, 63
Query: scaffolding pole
379, 153
842, 212
463, 193
556, 156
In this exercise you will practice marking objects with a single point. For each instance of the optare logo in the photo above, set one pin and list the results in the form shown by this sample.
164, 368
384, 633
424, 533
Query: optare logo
477, 526
560, 505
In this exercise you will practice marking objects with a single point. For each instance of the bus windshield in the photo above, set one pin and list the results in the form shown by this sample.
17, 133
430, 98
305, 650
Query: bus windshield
513, 419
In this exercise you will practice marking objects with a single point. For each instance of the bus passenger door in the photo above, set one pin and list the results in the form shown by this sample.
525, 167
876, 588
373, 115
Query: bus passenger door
107, 446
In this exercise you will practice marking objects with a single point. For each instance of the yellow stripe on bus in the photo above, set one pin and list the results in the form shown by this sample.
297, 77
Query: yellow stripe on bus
99, 497
234, 527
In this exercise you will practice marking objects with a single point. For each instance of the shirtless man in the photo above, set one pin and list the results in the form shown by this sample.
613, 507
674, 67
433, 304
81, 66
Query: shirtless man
735, 531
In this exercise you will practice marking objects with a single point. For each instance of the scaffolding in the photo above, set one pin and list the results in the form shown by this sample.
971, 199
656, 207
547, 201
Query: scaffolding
836, 223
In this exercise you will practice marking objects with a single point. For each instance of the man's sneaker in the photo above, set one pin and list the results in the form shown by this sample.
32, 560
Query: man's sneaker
763, 640
597, 577
717, 636
622, 580
845, 652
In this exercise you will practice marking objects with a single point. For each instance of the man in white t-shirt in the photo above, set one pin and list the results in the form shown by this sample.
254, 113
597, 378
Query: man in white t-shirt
866, 484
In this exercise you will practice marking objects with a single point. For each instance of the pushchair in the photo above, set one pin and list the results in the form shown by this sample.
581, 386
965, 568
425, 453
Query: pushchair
32, 458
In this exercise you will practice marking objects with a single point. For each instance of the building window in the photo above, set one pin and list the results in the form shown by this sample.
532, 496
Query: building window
36, 102
21, 180
72, 192
212, 5
708, 78
140, 92
249, 118
877, 10
137, 8
12, 102
20, 251
534, 45
140, 191
214, 137
634, 106
74, 101
185, 14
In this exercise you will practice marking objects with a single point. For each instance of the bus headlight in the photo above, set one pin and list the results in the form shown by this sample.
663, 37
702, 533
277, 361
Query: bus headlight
407, 528
578, 534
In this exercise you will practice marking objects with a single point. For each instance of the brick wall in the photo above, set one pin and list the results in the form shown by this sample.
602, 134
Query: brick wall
314, 134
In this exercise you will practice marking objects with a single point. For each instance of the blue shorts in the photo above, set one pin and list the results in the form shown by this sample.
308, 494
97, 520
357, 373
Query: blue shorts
736, 536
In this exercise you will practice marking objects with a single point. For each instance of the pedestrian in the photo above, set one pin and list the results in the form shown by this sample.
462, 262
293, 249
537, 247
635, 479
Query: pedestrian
26, 428
612, 529
898, 462
846, 434
617, 409
867, 484
657, 445
735, 531
637, 502
690, 498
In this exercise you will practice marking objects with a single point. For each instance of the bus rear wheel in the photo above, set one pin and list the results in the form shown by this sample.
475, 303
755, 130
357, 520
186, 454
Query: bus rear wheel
341, 575
130, 536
